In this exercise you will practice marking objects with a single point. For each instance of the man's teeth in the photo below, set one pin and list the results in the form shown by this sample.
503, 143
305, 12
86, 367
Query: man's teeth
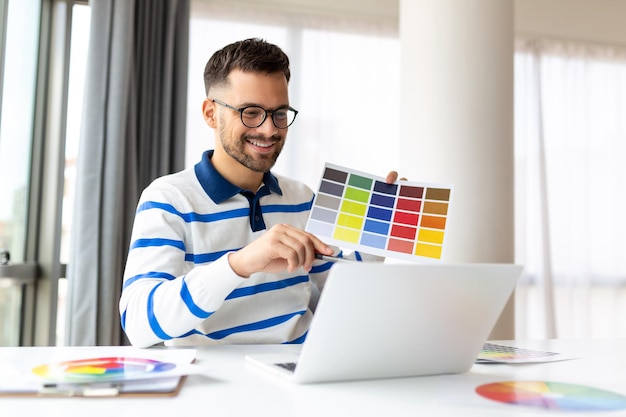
261, 144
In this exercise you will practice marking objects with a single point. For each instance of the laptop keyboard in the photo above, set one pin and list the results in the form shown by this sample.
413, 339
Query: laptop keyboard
290, 366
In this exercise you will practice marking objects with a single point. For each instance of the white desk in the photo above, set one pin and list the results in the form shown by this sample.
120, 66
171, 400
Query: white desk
233, 387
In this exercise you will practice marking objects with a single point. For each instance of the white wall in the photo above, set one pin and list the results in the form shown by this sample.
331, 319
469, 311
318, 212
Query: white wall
589, 20
385, 11
601, 21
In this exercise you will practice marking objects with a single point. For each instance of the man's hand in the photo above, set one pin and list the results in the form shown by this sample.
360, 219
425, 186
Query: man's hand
393, 177
283, 247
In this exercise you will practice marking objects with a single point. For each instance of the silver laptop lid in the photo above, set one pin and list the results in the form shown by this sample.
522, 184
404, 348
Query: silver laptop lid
393, 320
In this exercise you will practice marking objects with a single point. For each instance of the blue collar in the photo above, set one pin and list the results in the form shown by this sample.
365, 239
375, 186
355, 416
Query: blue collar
218, 188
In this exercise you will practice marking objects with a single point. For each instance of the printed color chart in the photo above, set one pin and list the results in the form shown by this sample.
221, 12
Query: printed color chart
406, 220
101, 369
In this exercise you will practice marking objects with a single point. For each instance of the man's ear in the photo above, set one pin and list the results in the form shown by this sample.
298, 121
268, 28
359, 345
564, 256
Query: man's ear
209, 113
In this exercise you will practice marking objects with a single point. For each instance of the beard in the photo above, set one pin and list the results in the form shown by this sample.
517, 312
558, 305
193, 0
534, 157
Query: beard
235, 148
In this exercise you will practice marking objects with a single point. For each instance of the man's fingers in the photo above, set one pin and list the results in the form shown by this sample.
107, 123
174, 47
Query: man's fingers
392, 177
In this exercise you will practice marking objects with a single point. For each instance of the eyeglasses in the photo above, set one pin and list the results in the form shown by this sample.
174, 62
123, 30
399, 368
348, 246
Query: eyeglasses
254, 116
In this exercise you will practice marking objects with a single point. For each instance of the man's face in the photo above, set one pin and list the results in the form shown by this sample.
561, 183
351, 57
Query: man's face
255, 148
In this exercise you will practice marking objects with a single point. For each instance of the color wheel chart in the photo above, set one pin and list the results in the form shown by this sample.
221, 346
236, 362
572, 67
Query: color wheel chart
101, 369
553, 396
406, 220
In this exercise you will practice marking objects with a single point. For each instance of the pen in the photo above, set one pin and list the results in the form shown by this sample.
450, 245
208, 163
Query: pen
81, 389
332, 258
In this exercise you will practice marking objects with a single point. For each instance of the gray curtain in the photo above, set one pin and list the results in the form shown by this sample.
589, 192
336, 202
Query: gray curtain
133, 130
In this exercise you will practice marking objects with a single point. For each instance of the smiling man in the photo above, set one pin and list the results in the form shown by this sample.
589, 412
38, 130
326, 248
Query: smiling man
218, 251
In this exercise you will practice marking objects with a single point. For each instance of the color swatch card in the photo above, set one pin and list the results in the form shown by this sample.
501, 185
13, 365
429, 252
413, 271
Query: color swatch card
496, 353
406, 220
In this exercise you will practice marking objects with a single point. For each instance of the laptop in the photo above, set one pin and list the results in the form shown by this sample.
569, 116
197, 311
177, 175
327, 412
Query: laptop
379, 320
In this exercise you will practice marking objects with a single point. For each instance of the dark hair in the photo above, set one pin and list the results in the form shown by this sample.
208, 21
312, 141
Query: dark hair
250, 55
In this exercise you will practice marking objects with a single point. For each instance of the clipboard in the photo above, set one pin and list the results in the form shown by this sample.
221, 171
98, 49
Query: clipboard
95, 372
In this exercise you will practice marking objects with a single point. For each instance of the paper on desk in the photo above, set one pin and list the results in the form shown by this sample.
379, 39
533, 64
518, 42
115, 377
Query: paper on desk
135, 369
498, 353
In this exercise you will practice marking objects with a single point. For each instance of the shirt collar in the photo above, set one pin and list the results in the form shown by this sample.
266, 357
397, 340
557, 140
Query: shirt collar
217, 187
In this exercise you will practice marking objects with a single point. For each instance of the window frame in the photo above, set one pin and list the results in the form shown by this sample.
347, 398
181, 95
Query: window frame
40, 273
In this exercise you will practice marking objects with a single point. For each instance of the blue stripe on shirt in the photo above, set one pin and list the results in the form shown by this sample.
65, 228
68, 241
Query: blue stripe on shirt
316, 269
151, 274
267, 286
188, 300
152, 320
202, 258
224, 215
146, 243
189, 333
263, 324
287, 208
193, 216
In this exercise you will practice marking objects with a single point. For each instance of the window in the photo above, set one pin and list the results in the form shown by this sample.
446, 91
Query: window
20, 45
42, 85
81, 19
16, 122
345, 85
570, 176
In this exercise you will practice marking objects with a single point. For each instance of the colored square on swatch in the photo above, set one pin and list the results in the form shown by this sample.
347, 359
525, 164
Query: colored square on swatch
360, 211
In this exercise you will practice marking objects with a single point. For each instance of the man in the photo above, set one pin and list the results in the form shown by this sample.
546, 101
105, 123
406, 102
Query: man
218, 252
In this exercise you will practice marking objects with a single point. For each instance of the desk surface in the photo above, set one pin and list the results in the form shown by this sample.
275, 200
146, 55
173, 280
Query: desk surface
232, 387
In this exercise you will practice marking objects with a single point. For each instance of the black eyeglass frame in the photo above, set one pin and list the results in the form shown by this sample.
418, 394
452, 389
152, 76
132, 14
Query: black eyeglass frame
240, 110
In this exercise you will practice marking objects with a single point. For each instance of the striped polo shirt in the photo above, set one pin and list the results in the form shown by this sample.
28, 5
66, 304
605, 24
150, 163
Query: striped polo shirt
178, 285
